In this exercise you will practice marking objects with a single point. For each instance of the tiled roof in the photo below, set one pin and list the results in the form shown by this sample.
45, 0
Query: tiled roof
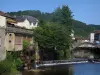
3, 14
96, 31
9, 18
29, 18
6, 15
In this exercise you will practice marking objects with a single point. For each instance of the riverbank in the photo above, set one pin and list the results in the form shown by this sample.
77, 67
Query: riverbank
37, 70
17, 73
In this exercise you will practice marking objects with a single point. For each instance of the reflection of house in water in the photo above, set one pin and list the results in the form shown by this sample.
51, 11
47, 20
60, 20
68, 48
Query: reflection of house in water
13, 31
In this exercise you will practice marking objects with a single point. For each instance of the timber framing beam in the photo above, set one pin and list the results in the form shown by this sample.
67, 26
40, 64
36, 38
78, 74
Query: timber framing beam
18, 30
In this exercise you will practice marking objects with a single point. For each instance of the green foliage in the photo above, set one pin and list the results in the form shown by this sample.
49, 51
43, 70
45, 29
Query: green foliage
8, 65
95, 27
14, 59
56, 35
35, 13
80, 28
56, 15
51, 36
55, 29
25, 44
67, 54
65, 19
5, 67
60, 54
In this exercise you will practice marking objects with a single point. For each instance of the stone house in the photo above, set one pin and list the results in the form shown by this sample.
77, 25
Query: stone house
84, 50
15, 36
2, 46
2, 36
13, 31
95, 37
27, 22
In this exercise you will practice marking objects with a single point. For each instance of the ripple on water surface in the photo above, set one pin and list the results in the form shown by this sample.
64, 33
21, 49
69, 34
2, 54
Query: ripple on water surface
86, 69
77, 69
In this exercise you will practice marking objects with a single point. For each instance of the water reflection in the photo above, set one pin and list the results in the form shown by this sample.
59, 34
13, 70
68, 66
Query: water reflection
86, 69
55, 70
78, 69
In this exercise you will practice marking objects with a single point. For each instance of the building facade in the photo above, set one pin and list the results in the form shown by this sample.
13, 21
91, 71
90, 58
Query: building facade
95, 37
84, 50
2, 44
13, 31
27, 22
2, 37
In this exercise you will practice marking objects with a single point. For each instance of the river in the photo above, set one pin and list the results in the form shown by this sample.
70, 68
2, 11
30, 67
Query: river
77, 69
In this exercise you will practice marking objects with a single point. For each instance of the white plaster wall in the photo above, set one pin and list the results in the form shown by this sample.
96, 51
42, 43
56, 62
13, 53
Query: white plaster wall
85, 41
2, 44
23, 24
10, 46
2, 21
32, 26
86, 45
92, 37
26, 24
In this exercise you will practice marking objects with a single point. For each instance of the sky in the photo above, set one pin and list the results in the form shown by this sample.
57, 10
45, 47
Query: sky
87, 11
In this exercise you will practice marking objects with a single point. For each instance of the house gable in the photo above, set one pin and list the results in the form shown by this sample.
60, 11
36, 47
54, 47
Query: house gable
28, 22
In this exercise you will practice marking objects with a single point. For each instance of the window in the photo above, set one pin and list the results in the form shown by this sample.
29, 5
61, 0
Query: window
9, 41
10, 34
96, 37
18, 40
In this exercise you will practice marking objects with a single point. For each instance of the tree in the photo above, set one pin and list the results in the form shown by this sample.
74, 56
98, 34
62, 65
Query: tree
25, 44
80, 28
51, 37
63, 16
66, 20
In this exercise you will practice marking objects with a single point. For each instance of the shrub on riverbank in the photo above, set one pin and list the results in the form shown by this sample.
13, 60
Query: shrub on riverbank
60, 54
5, 67
9, 65
25, 44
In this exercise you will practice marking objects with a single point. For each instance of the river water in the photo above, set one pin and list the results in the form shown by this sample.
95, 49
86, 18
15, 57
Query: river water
77, 69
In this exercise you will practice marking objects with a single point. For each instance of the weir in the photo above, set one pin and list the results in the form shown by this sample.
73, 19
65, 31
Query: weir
60, 62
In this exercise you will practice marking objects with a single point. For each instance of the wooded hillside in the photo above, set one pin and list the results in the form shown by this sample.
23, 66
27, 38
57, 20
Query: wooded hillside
80, 28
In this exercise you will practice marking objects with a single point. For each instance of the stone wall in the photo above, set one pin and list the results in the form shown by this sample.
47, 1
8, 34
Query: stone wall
2, 44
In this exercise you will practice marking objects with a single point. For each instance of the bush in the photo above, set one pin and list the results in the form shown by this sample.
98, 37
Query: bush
60, 54
9, 65
25, 44
5, 67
